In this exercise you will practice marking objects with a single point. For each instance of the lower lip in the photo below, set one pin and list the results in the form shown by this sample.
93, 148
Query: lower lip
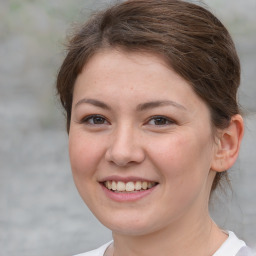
127, 197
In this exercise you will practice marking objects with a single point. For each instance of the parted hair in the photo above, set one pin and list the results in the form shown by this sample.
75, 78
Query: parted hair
192, 41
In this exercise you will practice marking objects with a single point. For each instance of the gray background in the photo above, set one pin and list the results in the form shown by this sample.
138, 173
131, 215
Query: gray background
41, 212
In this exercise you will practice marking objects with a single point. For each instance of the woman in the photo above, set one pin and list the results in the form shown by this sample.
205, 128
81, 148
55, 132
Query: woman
149, 88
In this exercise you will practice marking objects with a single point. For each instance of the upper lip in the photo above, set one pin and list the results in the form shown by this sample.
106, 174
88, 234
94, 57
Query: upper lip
124, 179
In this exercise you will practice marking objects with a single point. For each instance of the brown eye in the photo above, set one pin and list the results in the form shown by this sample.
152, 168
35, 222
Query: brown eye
95, 120
160, 121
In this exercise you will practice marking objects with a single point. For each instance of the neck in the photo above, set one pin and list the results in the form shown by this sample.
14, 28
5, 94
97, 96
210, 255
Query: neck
202, 238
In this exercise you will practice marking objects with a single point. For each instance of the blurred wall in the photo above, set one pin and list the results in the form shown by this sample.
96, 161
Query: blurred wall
40, 210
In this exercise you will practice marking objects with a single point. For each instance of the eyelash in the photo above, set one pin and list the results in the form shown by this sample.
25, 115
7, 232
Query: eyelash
93, 118
167, 120
87, 119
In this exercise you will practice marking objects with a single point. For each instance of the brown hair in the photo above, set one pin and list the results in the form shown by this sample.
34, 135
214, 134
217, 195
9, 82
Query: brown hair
193, 42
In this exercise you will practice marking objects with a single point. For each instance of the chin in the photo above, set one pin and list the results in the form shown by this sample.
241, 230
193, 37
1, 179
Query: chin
131, 230
129, 225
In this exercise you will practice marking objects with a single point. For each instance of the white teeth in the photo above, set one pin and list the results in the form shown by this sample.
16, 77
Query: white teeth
109, 184
144, 185
129, 186
120, 186
114, 185
138, 185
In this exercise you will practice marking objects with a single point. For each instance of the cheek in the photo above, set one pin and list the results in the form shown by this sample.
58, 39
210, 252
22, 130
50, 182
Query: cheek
183, 163
183, 155
84, 153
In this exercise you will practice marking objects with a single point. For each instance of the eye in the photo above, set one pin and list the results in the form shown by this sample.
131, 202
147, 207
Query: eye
95, 120
160, 121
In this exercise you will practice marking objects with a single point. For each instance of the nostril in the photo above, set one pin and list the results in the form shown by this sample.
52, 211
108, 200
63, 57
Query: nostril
124, 148
121, 162
122, 157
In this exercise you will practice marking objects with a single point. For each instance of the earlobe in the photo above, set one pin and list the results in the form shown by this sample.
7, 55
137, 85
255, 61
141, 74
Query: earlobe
228, 145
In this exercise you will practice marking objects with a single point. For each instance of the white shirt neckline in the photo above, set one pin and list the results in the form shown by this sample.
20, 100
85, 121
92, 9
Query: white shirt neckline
231, 246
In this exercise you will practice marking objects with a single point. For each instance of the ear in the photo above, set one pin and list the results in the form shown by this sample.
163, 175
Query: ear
228, 144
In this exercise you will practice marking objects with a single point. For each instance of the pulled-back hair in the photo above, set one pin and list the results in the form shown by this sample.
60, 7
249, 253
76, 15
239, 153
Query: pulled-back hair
192, 41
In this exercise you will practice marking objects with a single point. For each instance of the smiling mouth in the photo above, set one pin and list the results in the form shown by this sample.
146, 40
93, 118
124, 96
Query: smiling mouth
130, 186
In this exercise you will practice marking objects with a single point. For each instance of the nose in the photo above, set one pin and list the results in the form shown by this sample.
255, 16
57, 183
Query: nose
125, 147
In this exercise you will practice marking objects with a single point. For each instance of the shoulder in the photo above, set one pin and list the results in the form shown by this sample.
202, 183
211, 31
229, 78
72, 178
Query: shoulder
233, 246
97, 252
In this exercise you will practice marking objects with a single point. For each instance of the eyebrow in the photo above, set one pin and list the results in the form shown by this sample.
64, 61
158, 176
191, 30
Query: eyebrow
159, 103
94, 102
140, 107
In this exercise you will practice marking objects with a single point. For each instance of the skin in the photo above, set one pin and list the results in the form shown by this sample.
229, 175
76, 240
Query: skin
178, 150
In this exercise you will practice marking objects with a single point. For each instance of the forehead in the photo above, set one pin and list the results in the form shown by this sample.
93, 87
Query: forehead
126, 61
127, 67
120, 75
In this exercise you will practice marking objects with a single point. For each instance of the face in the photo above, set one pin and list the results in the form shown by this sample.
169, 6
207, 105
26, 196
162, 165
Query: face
140, 143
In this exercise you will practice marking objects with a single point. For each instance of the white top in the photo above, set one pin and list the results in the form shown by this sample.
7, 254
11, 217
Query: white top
231, 247
98, 252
